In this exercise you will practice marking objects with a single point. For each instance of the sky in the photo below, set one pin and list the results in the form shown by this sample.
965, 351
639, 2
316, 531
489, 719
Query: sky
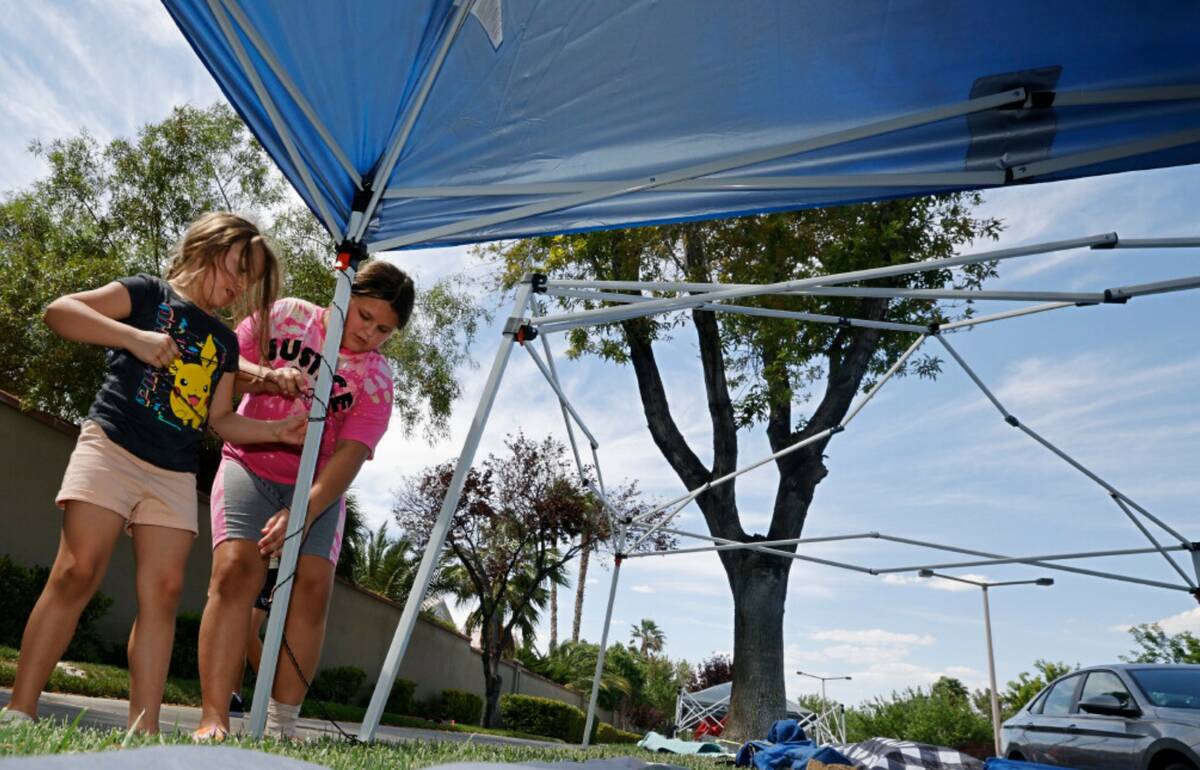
1114, 386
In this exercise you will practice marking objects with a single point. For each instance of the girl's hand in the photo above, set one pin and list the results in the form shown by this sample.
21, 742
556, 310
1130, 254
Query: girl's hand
152, 348
285, 382
273, 534
291, 429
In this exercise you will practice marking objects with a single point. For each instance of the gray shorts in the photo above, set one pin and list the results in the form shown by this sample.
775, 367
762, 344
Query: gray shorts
242, 502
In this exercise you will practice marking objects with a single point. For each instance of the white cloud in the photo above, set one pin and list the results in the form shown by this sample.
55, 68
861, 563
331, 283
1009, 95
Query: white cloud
871, 636
936, 583
642, 589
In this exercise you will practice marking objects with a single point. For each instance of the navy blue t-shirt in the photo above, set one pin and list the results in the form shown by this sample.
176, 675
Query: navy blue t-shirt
159, 414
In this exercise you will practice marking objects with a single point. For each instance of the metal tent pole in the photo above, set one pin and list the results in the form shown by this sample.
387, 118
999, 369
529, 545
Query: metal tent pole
987, 630
298, 516
612, 598
437, 537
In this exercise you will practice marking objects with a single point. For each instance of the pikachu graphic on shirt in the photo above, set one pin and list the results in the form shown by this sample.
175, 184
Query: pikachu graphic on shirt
190, 391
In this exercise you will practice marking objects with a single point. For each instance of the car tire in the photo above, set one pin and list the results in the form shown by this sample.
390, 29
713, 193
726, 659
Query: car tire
1180, 766
1019, 757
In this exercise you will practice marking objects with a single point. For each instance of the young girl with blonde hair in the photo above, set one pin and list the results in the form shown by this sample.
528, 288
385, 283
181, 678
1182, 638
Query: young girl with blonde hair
171, 363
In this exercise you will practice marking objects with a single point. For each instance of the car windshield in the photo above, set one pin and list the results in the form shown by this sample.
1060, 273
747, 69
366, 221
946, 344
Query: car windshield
1170, 688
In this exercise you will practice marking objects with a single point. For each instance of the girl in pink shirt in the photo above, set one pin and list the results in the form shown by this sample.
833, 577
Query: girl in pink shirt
252, 492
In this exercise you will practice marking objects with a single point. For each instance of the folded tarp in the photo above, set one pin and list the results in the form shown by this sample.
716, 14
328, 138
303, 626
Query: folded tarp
890, 754
655, 742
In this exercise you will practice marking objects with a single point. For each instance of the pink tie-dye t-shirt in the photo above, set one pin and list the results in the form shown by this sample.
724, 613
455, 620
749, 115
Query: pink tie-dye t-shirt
359, 407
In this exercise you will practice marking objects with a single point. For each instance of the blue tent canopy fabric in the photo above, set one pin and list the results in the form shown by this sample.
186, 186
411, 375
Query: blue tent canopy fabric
600, 105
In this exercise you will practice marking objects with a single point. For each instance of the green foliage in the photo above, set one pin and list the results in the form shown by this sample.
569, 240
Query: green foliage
606, 733
400, 699
339, 684
460, 707
574, 664
185, 655
663, 679
97, 680
22, 587
1157, 646
106, 211
1022, 689
542, 716
353, 534
943, 716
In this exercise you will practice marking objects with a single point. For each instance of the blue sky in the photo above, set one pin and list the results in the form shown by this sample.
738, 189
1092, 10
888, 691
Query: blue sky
1114, 386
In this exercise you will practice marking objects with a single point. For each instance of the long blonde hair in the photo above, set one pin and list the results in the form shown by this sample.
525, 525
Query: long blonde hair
203, 248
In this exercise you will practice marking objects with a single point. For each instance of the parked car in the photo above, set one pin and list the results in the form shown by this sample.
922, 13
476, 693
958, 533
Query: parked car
1130, 716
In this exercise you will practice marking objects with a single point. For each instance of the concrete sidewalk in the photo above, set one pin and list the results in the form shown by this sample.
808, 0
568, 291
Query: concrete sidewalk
109, 713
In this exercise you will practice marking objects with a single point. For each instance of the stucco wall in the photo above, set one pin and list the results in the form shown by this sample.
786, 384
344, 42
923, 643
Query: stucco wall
33, 454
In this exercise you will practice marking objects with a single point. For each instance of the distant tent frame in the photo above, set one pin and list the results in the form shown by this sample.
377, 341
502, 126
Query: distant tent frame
230, 18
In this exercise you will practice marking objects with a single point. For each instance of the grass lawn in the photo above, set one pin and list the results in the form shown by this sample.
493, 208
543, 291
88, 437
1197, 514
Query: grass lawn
103, 681
49, 737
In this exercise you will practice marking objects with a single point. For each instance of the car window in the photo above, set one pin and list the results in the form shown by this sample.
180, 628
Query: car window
1104, 683
1058, 701
1176, 688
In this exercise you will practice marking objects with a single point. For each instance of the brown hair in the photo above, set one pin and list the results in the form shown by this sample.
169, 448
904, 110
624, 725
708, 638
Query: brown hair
383, 280
203, 248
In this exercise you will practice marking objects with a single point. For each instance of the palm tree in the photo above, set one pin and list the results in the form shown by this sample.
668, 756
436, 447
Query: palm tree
353, 534
649, 637
525, 626
574, 664
388, 565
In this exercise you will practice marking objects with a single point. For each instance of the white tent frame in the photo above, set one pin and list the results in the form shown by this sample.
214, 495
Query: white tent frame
231, 20
827, 727
523, 326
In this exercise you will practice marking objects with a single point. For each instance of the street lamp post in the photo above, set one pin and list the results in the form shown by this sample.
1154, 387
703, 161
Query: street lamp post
987, 630
823, 679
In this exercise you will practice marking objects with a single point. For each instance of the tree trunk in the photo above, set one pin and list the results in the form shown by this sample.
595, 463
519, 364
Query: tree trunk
585, 551
491, 672
759, 585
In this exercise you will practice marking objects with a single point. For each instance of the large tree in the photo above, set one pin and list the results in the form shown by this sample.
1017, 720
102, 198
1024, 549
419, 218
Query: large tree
103, 211
759, 371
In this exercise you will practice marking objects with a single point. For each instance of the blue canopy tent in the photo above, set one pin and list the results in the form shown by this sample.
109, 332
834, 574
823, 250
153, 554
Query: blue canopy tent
434, 122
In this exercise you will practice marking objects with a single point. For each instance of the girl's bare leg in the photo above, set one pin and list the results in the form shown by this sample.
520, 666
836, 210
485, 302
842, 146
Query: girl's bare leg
160, 554
89, 534
238, 573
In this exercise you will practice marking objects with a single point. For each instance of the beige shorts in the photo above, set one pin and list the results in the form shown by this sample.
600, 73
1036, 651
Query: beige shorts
102, 472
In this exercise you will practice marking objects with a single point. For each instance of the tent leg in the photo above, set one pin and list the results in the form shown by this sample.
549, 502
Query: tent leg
612, 597
289, 559
437, 537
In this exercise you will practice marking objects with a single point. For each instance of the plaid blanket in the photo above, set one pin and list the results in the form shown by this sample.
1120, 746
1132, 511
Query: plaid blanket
889, 754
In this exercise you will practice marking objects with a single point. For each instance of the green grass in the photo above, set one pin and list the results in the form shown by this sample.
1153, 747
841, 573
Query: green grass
104, 681
50, 737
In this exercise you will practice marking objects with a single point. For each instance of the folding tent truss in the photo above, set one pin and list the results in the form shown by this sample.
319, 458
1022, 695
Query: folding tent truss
827, 727
524, 325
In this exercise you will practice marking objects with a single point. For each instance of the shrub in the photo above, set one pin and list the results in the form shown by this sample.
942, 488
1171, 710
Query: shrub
400, 699
461, 707
542, 716
22, 587
338, 685
606, 733
916, 715
185, 655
